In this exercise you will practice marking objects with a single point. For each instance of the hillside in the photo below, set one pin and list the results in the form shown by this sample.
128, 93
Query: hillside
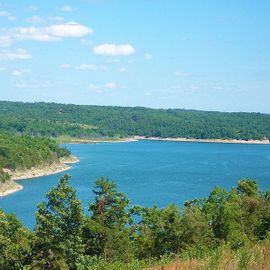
22, 153
52, 119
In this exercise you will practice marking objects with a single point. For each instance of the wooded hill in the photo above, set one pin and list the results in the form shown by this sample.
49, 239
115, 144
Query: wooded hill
51, 119
25, 152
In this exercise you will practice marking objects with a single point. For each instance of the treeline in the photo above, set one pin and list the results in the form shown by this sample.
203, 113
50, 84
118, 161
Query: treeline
25, 152
114, 232
51, 119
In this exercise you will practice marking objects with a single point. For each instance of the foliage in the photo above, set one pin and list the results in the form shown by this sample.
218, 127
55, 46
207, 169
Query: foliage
229, 228
107, 231
25, 152
59, 225
15, 243
51, 119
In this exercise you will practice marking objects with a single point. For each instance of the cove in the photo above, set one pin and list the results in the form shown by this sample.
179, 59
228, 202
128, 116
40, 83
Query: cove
149, 172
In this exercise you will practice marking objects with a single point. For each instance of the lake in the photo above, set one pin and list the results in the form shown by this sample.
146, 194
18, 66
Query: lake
149, 172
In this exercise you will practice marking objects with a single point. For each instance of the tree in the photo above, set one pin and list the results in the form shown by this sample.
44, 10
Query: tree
15, 243
59, 225
159, 231
247, 187
107, 231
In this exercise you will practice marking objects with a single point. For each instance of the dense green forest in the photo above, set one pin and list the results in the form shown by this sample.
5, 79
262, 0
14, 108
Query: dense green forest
51, 119
24, 152
115, 235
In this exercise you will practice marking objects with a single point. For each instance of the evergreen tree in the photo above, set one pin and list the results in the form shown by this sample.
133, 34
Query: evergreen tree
59, 226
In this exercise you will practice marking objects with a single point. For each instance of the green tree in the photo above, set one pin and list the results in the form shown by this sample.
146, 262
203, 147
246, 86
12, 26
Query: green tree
15, 243
107, 231
159, 231
59, 226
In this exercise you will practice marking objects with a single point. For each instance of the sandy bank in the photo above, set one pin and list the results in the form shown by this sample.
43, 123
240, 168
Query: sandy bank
137, 138
86, 141
9, 187
203, 140
48, 169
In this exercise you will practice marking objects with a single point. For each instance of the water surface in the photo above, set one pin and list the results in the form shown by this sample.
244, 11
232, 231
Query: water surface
150, 172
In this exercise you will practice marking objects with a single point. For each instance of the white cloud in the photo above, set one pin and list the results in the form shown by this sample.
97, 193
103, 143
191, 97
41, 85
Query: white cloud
218, 87
86, 42
181, 74
19, 54
176, 87
22, 85
50, 33
5, 41
55, 18
112, 49
69, 30
122, 69
11, 18
34, 33
65, 66
4, 13
110, 85
112, 61
32, 8
103, 67
35, 20
193, 87
67, 8
93, 86
19, 72
86, 66
16, 73
148, 56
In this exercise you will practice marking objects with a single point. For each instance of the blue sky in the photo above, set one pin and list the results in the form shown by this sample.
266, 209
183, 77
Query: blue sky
209, 55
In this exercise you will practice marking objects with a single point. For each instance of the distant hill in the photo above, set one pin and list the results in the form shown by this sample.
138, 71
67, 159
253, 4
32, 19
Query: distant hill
52, 119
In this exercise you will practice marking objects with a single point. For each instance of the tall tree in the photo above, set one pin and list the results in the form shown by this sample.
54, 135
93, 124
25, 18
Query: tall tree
59, 225
107, 231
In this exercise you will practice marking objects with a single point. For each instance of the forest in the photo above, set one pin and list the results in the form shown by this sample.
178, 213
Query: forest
229, 226
25, 152
54, 120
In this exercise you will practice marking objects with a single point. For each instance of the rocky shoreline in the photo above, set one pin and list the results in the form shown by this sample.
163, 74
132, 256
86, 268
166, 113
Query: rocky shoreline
10, 186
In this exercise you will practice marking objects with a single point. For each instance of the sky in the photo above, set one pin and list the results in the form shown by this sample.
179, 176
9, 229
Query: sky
192, 54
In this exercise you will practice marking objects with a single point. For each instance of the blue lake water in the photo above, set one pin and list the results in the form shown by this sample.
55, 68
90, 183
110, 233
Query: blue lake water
150, 172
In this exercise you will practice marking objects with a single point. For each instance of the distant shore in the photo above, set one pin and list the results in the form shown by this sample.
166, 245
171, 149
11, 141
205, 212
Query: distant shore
203, 140
89, 141
10, 186
138, 138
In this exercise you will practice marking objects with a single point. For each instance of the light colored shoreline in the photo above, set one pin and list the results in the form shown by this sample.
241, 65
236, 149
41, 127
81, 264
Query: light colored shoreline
234, 141
11, 186
138, 138
89, 141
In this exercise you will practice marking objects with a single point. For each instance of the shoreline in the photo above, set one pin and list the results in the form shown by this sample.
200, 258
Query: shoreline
94, 141
63, 164
139, 138
43, 170
10, 187
234, 141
